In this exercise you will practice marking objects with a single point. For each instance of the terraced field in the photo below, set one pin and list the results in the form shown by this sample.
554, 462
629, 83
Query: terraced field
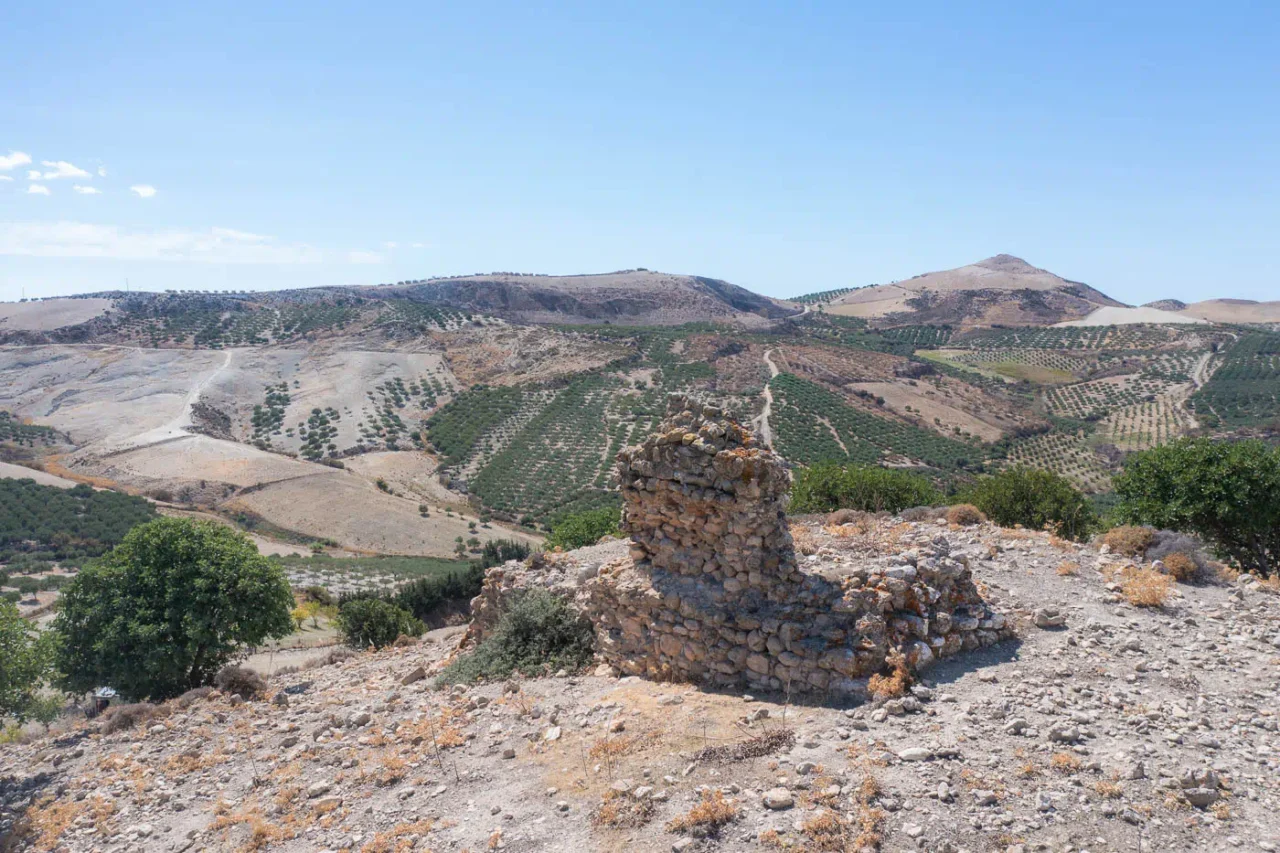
535, 451
1245, 389
1066, 454
363, 574
1042, 366
1096, 398
812, 424
1145, 425
1070, 338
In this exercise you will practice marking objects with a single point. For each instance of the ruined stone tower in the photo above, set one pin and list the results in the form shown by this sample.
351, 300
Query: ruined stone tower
702, 499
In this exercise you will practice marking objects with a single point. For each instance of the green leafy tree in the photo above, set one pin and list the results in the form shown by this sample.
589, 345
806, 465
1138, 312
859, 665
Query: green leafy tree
1227, 493
167, 608
830, 486
46, 708
25, 656
1035, 499
373, 622
579, 529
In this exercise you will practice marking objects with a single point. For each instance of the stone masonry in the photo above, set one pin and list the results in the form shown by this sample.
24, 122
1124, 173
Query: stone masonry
713, 593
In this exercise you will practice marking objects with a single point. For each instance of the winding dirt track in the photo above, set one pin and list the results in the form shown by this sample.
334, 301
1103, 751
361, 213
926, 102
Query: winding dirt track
762, 420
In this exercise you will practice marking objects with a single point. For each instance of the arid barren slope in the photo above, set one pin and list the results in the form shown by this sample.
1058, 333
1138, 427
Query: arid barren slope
136, 415
1000, 289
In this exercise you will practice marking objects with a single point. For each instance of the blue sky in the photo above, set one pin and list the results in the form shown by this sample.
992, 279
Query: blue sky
787, 147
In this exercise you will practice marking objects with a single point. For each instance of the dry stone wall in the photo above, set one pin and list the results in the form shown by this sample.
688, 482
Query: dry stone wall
712, 590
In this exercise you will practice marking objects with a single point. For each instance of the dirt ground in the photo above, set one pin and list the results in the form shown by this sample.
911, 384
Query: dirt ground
17, 472
351, 511
928, 403
1099, 735
49, 314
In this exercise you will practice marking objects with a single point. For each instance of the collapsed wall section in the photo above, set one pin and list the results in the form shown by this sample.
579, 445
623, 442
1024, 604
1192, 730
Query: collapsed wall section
712, 591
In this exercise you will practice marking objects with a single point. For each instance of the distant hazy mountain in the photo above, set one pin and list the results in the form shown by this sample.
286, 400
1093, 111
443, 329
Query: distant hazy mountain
999, 290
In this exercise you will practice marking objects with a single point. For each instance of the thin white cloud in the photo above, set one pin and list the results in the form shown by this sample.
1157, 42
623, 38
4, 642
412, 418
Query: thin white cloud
212, 245
13, 160
5, 178
390, 244
418, 245
38, 189
143, 190
34, 175
83, 190
62, 169
102, 171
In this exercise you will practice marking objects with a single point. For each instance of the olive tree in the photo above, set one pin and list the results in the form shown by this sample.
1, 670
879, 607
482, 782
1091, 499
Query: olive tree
25, 655
173, 603
1227, 493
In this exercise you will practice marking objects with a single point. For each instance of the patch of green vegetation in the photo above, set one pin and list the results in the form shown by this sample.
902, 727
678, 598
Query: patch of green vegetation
537, 633
457, 428
580, 529
318, 433
919, 337
371, 622
812, 424
1245, 390
13, 430
1035, 499
45, 523
822, 296
268, 418
1032, 373
1228, 493
829, 486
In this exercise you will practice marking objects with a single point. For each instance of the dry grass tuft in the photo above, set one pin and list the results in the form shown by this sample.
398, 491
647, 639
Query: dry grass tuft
47, 819
826, 831
622, 811
399, 839
1065, 762
262, 833
774, 740
1145, 587
965, 515
896, 683
117, 718
1110, 790
1181, 566
711, 814
1028, 770
804, 540
1129, 541
1068, 568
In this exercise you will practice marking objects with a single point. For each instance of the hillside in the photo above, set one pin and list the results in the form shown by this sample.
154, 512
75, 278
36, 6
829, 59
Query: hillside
1000, 290
371, 420
1234, 311
1122, 728
633, 297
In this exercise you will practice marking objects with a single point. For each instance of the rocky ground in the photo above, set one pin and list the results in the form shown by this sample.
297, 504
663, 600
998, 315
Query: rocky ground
1113, 727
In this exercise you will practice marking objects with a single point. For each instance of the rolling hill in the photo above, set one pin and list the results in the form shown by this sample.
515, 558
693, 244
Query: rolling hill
416, 417
1001, 290
631, 297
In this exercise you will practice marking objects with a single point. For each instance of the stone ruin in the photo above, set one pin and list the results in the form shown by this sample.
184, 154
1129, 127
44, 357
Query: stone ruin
712, 591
